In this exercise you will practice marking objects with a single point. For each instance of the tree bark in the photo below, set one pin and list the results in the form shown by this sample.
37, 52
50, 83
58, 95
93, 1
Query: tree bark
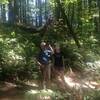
40, 12
11, 12
99, 16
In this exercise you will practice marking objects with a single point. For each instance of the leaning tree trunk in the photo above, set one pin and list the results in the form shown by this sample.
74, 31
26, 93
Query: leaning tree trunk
70, 28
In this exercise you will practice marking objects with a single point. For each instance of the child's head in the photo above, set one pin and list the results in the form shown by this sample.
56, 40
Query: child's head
57, 50
57, 47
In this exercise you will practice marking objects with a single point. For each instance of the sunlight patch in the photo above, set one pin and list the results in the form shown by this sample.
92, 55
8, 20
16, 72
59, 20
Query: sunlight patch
33, 91
70, 82
97, 63
14, 56
32, 84
39, 94
90, 85
82, 84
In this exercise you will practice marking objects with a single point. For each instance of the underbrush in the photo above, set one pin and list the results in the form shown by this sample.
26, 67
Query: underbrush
19, 50
58, 95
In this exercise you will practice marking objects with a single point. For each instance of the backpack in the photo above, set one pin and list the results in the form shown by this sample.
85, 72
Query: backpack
44, 56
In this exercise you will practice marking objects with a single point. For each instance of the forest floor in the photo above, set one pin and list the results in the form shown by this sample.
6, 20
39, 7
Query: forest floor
73, 81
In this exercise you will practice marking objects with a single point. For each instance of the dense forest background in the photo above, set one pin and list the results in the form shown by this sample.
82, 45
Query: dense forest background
75, 24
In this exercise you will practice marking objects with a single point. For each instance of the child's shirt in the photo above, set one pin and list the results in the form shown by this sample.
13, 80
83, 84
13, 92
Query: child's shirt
58, 59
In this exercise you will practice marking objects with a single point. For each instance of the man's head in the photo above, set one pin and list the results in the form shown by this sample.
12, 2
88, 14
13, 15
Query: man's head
42, 45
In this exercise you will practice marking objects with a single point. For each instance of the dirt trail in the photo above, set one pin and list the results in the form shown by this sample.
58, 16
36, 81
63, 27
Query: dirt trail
86, 79
76, 80
9, 91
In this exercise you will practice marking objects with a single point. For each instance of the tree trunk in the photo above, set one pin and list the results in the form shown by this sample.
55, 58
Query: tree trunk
70, 28
57, 9
36, 14
16, 11
99, 16
79, 15
40, 12
11, 12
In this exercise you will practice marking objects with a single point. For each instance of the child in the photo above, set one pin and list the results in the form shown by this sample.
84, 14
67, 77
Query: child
58, 61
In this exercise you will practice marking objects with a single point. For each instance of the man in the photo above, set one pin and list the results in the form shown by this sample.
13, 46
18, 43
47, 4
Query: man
44, 61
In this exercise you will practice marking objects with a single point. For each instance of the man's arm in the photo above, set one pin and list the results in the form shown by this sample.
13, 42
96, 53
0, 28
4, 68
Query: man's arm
51, 49
38, 63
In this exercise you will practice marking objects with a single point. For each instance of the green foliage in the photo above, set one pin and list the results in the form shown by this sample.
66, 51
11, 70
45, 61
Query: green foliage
3, 1
94, 95
18, 52
19, 48
50, 94
69, 1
